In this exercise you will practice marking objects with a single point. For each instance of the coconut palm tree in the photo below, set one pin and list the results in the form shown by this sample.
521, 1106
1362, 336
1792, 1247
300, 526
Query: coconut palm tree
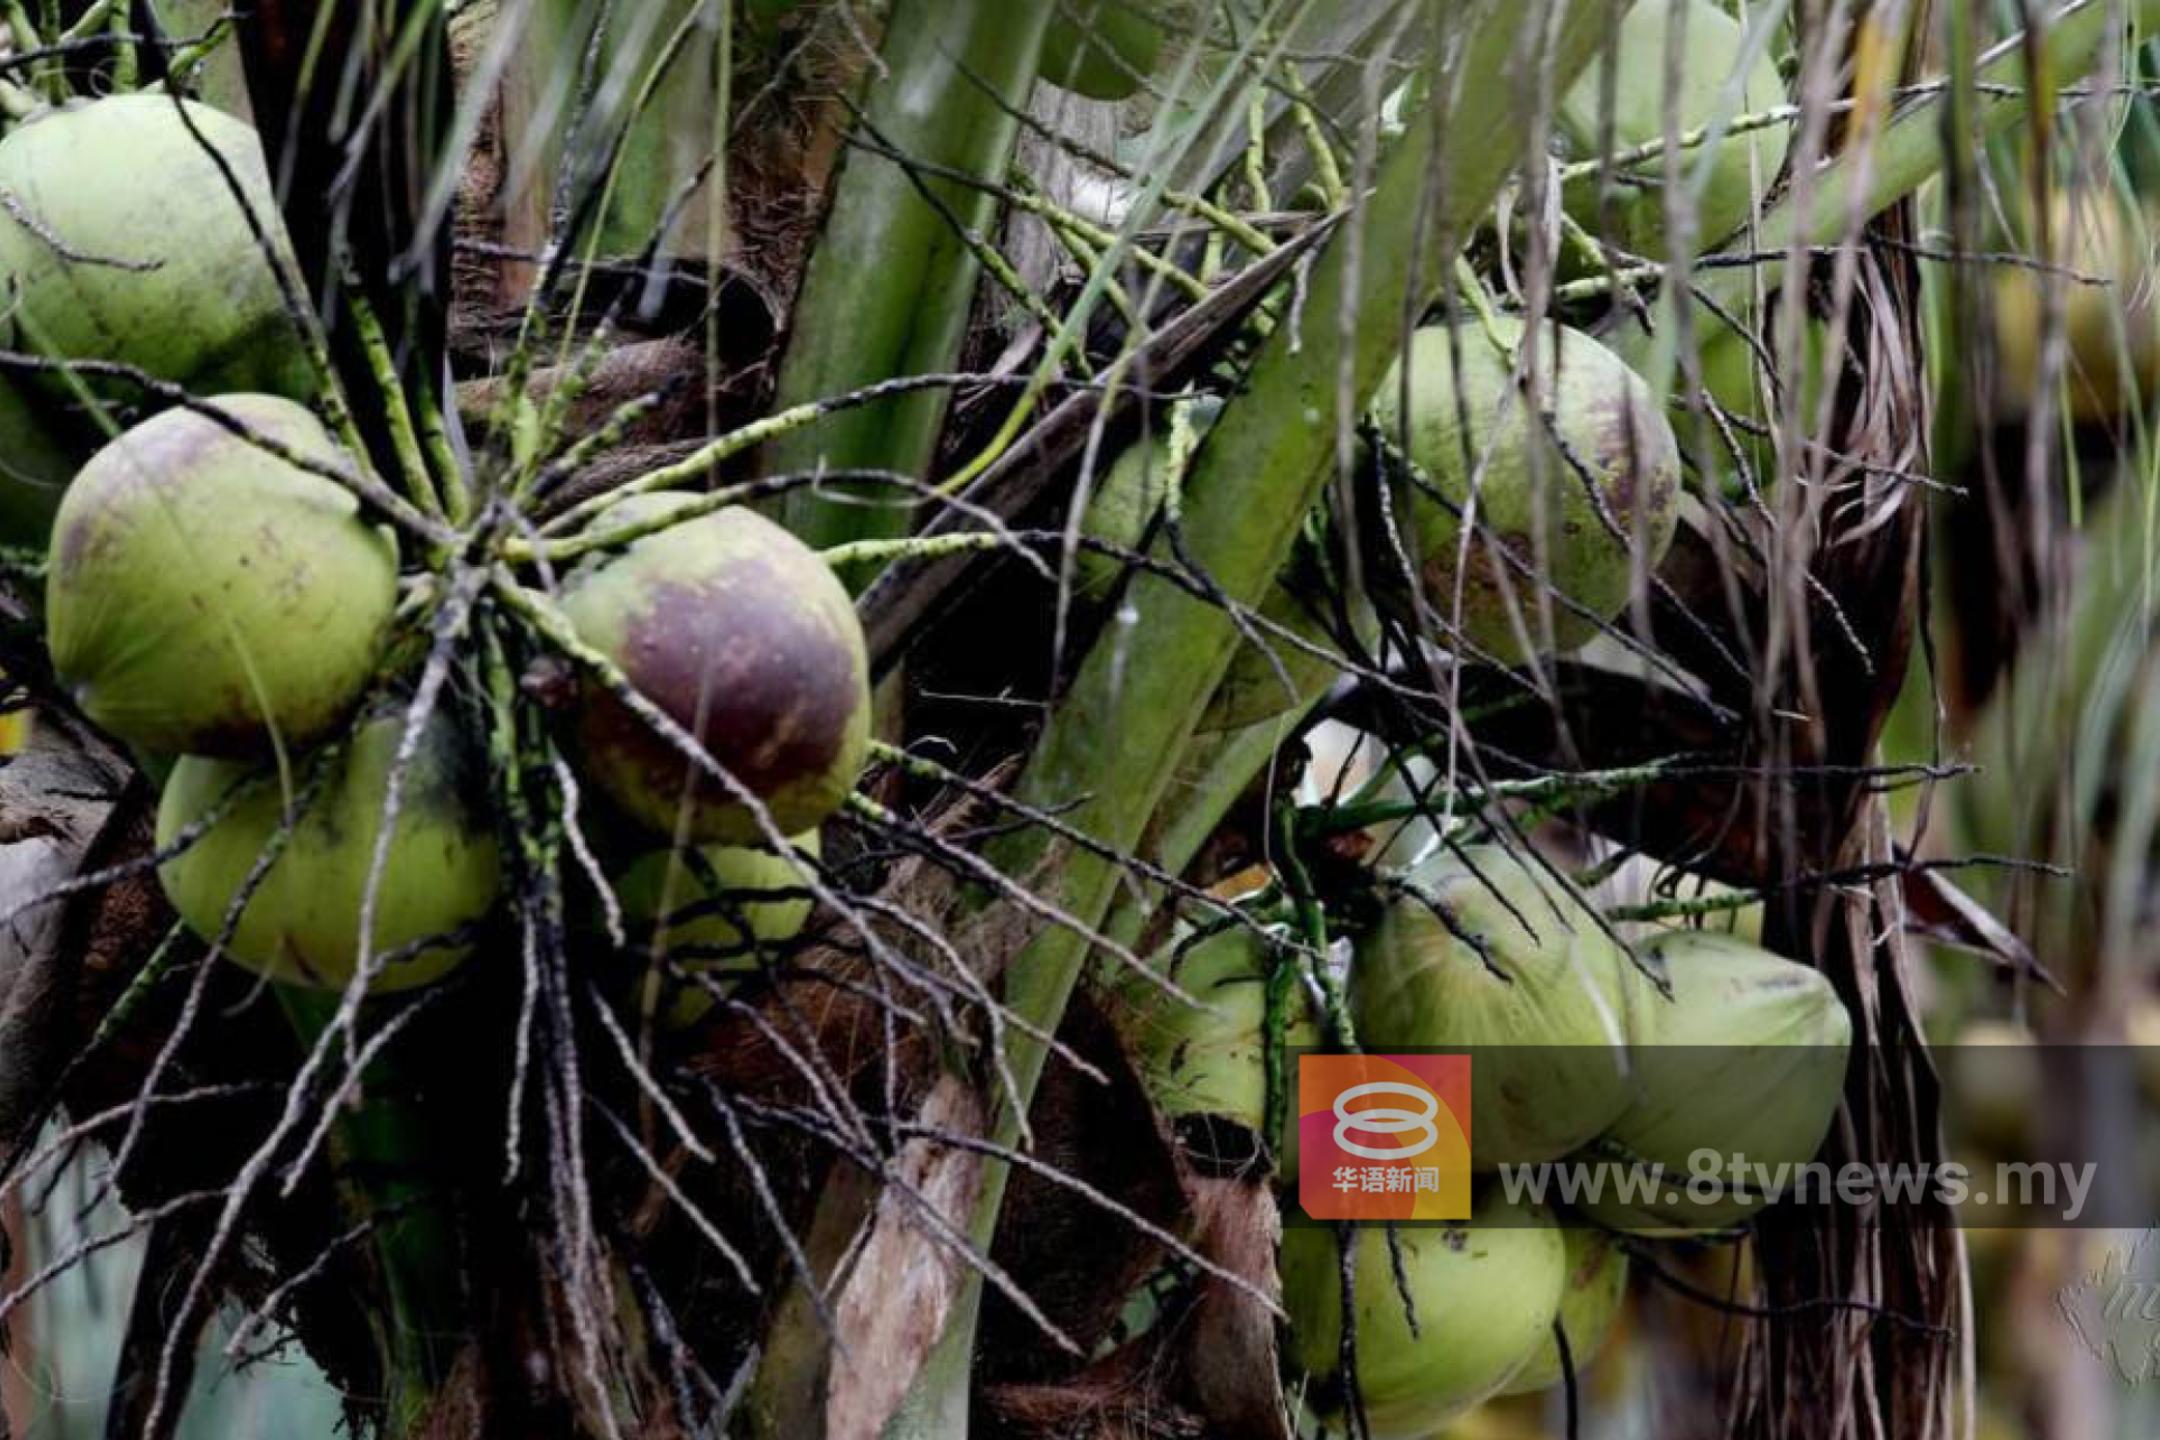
909, 518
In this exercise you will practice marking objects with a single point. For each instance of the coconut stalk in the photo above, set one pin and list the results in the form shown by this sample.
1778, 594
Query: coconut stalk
891, 284
1116, 736
203, 30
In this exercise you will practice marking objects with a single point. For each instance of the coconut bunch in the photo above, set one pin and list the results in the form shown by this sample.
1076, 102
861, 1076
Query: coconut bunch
234, 594
216, 600
1686, 1044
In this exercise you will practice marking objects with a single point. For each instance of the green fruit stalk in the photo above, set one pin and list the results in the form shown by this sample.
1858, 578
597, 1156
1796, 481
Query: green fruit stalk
1711, 88
1597, 1272
1589, 533
1485, 1297
713, 916
302, 925
124, 242
1747, 1059
1543, 1009
741, 634
205, 595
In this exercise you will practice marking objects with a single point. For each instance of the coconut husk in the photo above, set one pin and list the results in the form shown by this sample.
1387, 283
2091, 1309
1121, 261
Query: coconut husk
1080, 1262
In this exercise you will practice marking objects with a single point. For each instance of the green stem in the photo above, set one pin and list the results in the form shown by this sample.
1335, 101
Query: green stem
1686, 909
920, 546
382, 369
1356, 815
928, 100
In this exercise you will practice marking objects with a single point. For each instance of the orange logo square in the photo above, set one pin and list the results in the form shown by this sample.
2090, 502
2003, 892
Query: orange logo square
1384, 1137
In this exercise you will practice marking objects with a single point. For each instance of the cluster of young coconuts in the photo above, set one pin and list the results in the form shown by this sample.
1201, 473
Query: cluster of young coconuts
218, 599
1700, 1041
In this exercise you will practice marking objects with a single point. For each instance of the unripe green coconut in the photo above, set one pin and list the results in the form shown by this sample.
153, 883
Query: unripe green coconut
1485, 1295
713, 914
1597, 1271
1211, 1059
1746, 1061
203, 592
1745, 165
1532, 499
1103, 49
303, 924
124, 242
742, 635
1543, 1010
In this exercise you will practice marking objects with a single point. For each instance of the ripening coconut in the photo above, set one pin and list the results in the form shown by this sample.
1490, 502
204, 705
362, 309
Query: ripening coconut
741, 634
1122, 506
1103, 49
123, 241
302, 925
1745, 1062
1210, 1059
1712, 87
1485, 1295
1608, 439
713, 913
203, 592
1543, 1009
1597, 1271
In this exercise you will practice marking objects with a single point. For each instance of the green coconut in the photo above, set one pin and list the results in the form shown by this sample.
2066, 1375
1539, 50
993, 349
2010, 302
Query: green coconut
302, 925
1103, 49
1484, 1294
1210, 1059
1597, 1272
1532, 500
741, 635
1543, 1010
1746, 1062
1711, 88
712, 914
203, 592
124, 242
